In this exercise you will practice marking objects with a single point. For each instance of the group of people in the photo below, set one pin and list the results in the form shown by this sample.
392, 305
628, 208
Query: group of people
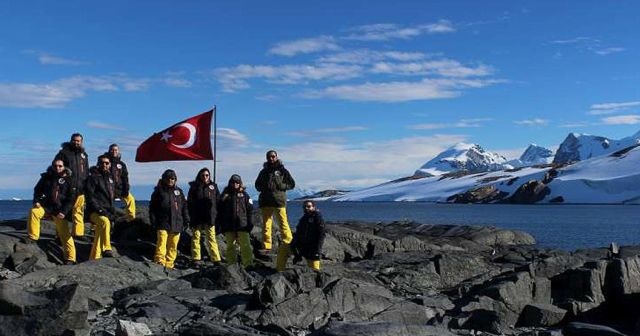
69, 186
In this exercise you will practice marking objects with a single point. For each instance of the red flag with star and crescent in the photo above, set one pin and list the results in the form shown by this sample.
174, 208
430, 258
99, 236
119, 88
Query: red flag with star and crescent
187, 140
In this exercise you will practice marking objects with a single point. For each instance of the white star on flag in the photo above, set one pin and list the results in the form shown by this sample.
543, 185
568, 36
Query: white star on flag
166, 136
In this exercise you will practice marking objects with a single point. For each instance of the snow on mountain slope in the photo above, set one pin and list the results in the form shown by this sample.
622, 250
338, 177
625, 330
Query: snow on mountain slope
533, 155
462, 157
604, 179
578, 147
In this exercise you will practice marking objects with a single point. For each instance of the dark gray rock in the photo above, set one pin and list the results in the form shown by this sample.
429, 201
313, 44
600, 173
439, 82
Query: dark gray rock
541, 315
586, 329
530, 192
128, 328
484, 194
380, 329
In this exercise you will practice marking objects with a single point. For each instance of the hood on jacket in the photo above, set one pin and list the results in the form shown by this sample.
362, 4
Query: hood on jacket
51, 171
68, 145
277, 164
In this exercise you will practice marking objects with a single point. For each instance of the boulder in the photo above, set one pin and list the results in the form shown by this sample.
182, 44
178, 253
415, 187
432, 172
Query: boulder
336, 328
128, 328
541, 315
586, 329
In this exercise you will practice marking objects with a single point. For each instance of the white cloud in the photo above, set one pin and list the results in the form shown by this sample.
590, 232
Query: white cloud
236, 78
590, 45
426, 89
54, 60
330, 130
233, 136
608, 108
445, 67
177, 82
608, 51
387, 31
365, 56
101, 125
579, 124
630, 119
532, 122
304, 46
60, 92
464, 123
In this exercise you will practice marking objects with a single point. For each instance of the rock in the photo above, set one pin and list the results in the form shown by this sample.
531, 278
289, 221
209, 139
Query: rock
484, 194
380, 329
584, 284
219, 328
586, 329
8, 274
541, 315
530, 192
128, 328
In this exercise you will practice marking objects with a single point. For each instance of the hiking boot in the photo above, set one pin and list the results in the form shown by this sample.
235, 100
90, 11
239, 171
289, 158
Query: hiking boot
70, 262
263, 254
197, 264
107, 254
28, 241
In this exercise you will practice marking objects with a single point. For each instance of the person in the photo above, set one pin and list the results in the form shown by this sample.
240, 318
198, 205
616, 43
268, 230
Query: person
235, 220
53, 196
76, 159
309, 236
202, 202
272, 182
121, 178
169, 214
100, 193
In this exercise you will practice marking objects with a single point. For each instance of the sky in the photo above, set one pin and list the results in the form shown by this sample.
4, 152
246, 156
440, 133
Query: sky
350, 93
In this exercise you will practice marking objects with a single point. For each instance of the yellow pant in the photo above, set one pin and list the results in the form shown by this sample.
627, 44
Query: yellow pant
77, 212
130, 206
102, 235
246, 253
62, 228
280, 215
210, 240
166, 248
314, 264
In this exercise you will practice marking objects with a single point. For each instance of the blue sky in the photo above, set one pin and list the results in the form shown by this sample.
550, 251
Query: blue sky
351, 93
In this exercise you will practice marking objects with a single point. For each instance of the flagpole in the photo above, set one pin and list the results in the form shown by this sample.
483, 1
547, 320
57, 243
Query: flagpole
215, 141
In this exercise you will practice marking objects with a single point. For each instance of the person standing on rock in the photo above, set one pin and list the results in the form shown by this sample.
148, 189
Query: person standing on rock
53, 196
101, 195
272, 182
169, 215
121, 178
75, 158
202, 201
309, 236
235, 220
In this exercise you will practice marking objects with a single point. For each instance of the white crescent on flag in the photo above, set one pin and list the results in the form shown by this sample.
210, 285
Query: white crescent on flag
192, 135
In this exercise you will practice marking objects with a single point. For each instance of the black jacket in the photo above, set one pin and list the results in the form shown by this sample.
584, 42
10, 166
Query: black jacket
202, 200
235, 211
309, 236
78, 161
100, 193
54, 192
168, 209
120, 175
272, 182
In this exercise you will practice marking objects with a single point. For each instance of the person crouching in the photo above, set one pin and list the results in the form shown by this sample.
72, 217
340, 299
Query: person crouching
235, 219
169, 214
309, 236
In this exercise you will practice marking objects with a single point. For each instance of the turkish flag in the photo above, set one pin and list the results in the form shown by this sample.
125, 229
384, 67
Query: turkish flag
187, 140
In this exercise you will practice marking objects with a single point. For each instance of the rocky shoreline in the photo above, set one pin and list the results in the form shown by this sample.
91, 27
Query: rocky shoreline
377, 279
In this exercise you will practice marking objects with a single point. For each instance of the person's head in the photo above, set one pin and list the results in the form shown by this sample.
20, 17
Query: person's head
104, 163
114, 150
204, 175
235, 182
272, 156
76, 140
308, 206
58, 166
169, 178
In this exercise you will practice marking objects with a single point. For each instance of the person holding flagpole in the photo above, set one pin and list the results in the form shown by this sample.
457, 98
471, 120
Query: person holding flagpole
273, 182
169, 215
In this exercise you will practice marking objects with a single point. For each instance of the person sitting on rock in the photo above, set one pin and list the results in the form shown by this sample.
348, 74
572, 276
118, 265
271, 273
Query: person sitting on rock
101, 195
309, 236
202, 201
235, 220
53, 196
169, 215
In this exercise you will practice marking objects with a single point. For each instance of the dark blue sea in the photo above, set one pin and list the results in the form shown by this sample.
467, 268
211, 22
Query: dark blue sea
567, 227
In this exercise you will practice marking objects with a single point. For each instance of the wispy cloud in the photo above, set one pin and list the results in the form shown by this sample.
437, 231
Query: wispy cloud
532, 122
608, 108
232, 136
177, 82
54, 60
426, 89
463, 123
589, 44
445, 68
630, 119
60, 92
101, 125
345, 129
579, 124
366, 56
389, 31
236, 78
304, 46
608, 51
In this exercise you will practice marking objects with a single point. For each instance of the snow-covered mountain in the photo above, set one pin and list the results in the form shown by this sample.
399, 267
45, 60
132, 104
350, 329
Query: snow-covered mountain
462, 157
533, 155
578, 147
613, 178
